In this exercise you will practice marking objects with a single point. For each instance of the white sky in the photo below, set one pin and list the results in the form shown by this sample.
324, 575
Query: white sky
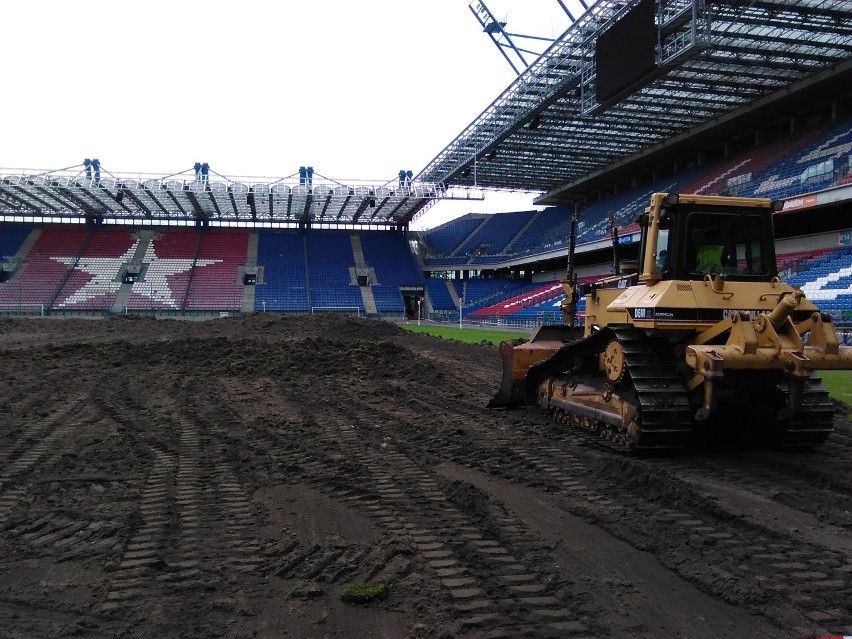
358, 90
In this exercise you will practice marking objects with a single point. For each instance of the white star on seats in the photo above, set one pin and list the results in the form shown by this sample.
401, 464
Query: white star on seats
156, 284
105, 273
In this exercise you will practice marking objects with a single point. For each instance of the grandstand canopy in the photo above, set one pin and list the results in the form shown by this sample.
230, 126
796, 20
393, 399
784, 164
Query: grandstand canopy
714, 63
79, 193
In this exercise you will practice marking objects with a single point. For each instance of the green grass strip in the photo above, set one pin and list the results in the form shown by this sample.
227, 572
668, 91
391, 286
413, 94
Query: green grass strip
470, 335
838, 383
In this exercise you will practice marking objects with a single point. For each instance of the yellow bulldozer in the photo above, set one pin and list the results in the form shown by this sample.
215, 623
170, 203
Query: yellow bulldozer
697, 335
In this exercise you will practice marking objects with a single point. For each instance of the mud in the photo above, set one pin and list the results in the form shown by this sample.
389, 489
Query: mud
230, 478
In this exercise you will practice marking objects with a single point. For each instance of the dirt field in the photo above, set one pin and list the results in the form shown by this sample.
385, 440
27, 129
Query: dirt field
230, 478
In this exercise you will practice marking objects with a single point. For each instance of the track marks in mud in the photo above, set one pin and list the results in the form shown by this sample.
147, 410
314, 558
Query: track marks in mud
131, 582
194, 523
48, 436
722, 552
486, 585
648, 504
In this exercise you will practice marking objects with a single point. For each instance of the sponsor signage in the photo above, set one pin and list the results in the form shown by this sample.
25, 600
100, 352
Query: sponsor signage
803, 202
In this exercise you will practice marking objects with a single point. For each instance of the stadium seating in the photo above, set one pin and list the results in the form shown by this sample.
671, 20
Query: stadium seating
538, 294
816, 166
479, 293
445, 239
43, 269
78, 268
794, 166
285, 279
329, 259
215, 281
169, 259
11, 238
388, 254
547, 312
827, 282
790, 262
439, 296
94, 281
543, 229
492, 236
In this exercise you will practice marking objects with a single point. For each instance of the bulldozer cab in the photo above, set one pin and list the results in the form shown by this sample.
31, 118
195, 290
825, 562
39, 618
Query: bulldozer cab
688, 237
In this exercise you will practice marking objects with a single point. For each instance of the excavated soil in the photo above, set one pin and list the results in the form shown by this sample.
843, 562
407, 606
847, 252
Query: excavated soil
231, 478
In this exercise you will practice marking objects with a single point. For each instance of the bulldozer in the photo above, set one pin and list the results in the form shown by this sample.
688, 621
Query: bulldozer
696, 336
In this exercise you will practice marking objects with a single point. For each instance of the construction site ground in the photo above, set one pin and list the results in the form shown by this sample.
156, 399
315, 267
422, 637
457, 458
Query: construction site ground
233, 478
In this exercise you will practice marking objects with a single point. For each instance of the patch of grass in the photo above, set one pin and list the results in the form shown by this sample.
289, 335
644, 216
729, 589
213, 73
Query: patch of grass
359, 592
839, 385
470, 335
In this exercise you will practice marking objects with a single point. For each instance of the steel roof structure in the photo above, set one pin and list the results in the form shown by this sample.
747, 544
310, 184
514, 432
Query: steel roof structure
715, 60
66, 195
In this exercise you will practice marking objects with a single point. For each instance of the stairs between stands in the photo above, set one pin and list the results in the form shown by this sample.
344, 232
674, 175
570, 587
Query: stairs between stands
360, 266
123, 294
251, 258
469, 235
27, 244
520, 233
453, 295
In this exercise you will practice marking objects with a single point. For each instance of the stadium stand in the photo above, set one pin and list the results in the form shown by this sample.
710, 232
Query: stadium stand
43, 269
215, 284
542, 230
11, 238
191, 271
389, 255
792, 262
169, 259
92, 279
540, 294
788, 135
827, 281
492, 236
797, 165
445, 240
817, 166
285, 279
547, 312
481, 293
329, 262
439, 295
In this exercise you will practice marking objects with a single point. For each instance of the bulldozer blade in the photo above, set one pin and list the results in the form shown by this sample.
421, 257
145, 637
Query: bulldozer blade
517, 355
511, 391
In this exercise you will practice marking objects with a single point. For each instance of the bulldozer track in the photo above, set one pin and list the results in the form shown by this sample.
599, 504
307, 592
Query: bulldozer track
664, 411
813, 422
652, 385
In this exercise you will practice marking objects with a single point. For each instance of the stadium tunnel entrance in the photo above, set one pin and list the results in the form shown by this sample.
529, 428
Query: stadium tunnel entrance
414, 298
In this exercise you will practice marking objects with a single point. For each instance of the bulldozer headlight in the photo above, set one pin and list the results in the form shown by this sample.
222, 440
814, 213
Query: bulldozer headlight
672, 199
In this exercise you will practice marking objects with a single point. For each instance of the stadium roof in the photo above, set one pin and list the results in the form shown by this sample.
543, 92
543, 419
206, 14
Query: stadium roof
80, 193
715, 61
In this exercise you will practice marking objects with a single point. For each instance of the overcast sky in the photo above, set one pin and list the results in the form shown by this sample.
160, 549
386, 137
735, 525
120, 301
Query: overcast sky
358, 90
